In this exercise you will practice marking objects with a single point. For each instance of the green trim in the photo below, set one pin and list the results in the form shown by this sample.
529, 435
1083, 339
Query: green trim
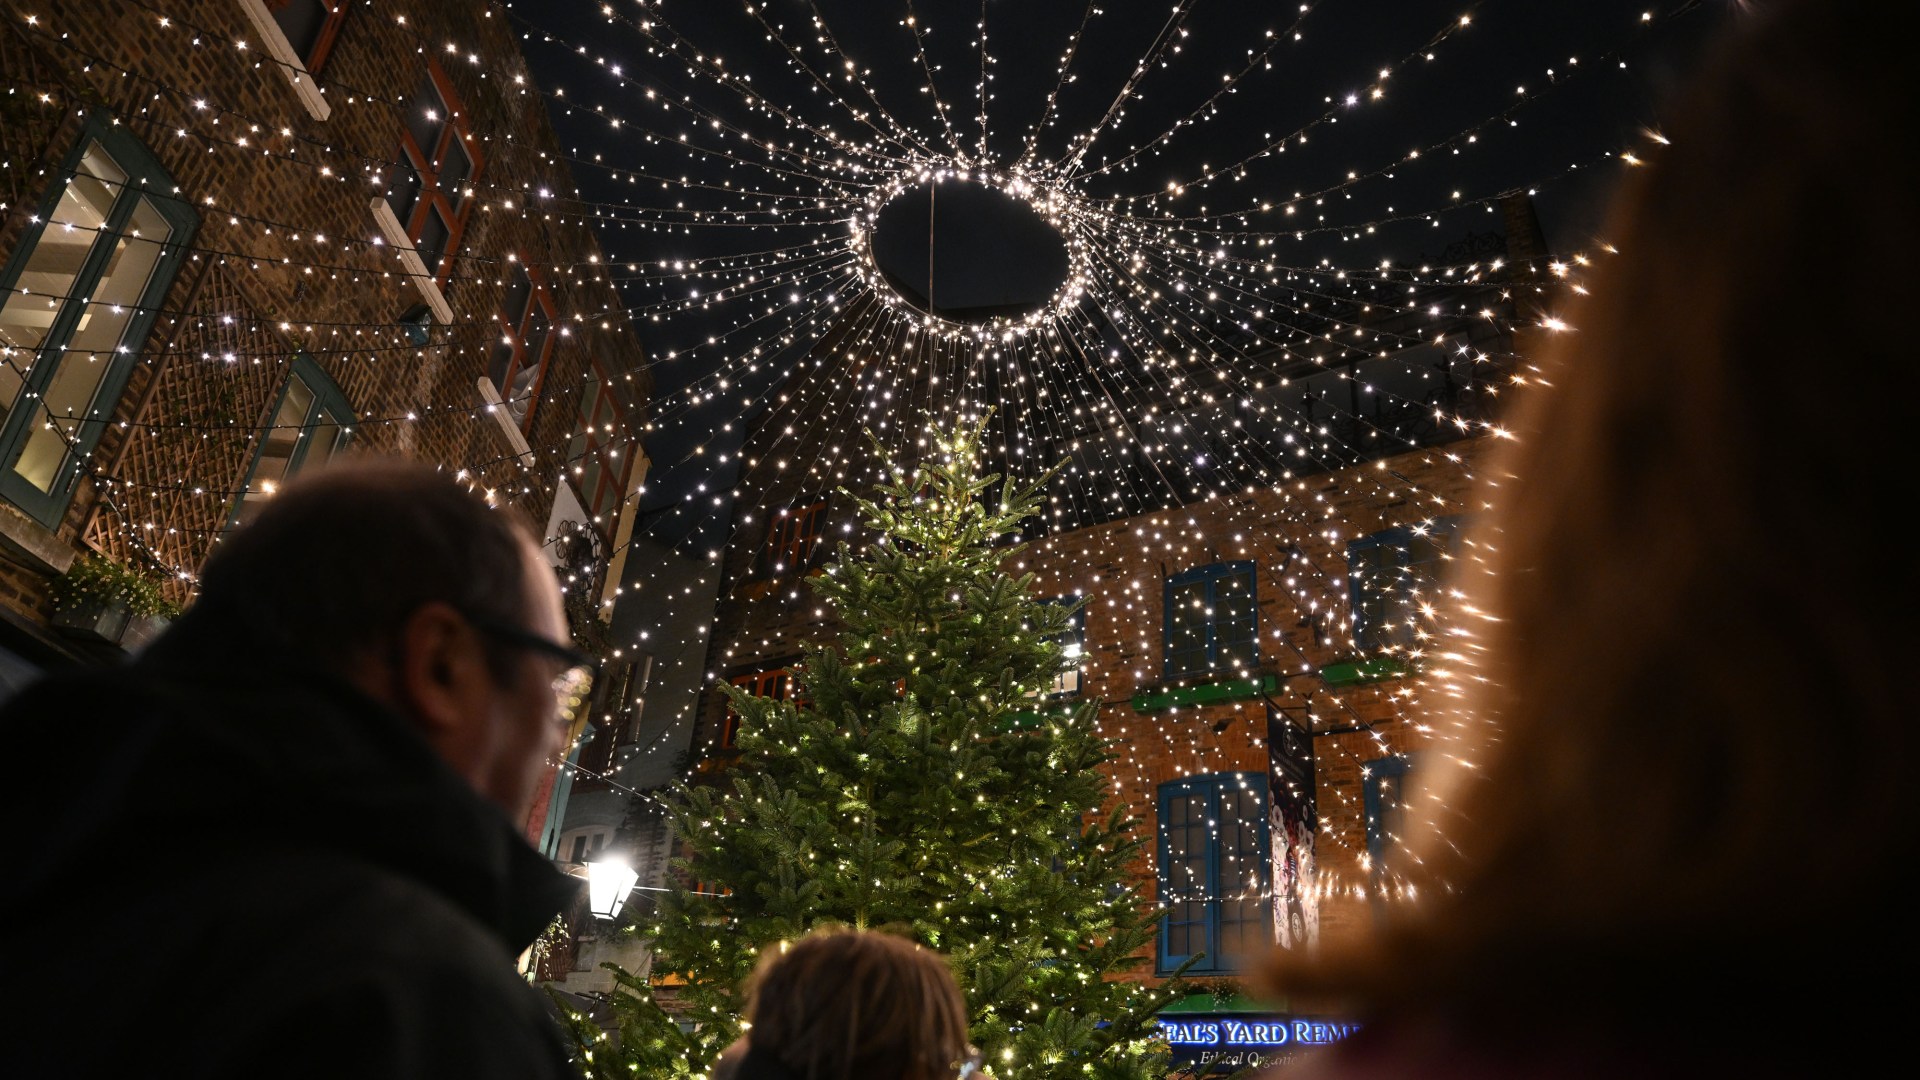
1237, 690
327, 399
147, 179
1358, 672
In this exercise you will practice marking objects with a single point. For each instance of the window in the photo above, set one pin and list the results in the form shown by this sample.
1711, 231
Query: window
81, 292
1391, 576
1384, 799
438, 156
794, 537
518, 366
1073, 649
594, 455
311, 422
1212, 625
310, 27
1214, 872
777, 684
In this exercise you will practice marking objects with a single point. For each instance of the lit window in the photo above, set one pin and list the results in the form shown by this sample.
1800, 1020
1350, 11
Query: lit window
80, 293
311, 423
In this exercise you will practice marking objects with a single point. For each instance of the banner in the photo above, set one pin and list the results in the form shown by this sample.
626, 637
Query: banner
1293, 819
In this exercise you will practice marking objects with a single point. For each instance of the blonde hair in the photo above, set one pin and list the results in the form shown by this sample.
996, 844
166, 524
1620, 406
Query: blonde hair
857, 1005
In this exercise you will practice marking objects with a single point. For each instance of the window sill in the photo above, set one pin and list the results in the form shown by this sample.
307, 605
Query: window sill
31, 544
497, 409
396, 237
1206, 693
281, 51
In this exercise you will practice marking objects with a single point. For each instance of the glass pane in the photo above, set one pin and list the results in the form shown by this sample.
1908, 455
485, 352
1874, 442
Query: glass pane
276, 448
500, 361
433, 241
97, 336
301, 21
519, 292
47, 278
405, 189
427, 117
590, 483
323, 440
454, 170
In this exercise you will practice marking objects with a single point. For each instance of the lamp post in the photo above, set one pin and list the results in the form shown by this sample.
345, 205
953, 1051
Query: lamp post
609, 880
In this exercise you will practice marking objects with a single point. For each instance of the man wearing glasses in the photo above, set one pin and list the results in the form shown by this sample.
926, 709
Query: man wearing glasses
287, 839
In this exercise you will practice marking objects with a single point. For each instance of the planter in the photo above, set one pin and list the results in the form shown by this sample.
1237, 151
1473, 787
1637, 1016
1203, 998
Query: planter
142, 629
93, 620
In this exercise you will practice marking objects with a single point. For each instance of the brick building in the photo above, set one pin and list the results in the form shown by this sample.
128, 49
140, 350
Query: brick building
1254, 643
240, 236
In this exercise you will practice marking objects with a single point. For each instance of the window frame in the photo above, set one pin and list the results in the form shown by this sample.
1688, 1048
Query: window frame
1392, 634
146, 180
1211, 574
810, 519
316, 58
428, 198
514, 335
752, 682
327, 396
1212, 785
1380, 841
589, 441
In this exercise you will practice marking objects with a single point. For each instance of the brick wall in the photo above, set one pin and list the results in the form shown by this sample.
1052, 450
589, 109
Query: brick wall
288, 256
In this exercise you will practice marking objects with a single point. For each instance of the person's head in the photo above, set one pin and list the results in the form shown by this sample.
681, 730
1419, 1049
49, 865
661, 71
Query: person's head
1690, 718
851, 1005
395, 577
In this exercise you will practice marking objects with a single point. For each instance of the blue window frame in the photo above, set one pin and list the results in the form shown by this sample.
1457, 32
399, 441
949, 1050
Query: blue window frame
1384, 799
1212, 622
81, 292
1390, 574
1215, 875
310, 422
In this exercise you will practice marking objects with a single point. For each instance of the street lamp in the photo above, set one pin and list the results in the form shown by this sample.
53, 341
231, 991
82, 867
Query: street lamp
609, 880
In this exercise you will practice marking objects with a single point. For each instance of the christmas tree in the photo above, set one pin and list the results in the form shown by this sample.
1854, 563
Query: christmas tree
922, 787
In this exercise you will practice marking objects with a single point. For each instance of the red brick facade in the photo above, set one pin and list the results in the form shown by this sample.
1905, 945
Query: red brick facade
290, 256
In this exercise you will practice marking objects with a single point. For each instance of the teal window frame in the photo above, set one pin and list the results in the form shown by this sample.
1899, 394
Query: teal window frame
1213, 846
147, 179
327, 398
1219, 633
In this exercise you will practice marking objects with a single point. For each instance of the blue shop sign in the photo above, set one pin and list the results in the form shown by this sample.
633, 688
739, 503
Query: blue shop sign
1238, 1041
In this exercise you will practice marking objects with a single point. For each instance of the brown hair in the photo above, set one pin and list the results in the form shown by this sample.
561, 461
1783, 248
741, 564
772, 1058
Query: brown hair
1689, 722
853, 1005
336, 562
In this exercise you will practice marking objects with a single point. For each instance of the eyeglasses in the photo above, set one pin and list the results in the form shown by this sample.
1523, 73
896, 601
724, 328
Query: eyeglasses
574, 682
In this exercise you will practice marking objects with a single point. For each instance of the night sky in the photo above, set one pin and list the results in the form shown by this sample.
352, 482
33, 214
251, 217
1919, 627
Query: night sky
1579, 106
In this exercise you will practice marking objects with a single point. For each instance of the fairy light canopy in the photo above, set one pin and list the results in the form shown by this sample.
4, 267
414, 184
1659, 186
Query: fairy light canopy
1240, 198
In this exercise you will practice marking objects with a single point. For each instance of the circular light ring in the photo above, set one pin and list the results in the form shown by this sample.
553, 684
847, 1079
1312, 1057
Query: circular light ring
1054, 205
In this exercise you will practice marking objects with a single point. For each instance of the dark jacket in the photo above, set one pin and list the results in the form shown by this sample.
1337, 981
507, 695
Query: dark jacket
219, 866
